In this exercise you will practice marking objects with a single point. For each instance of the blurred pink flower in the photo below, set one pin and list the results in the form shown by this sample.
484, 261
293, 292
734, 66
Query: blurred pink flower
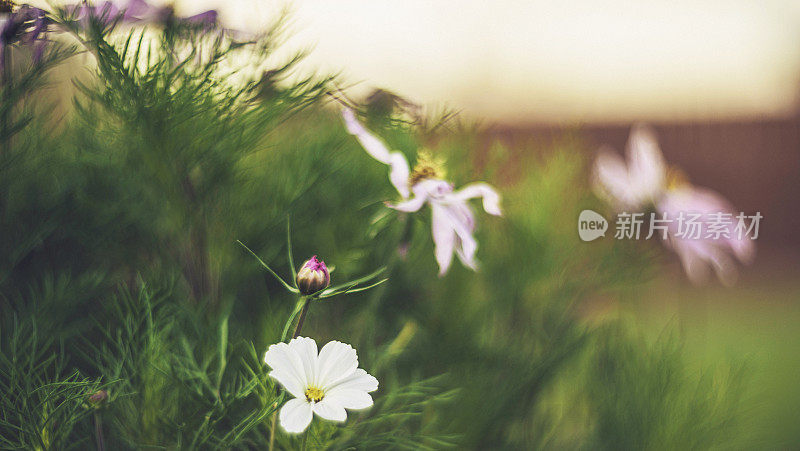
453, 221
697, 254
645, 182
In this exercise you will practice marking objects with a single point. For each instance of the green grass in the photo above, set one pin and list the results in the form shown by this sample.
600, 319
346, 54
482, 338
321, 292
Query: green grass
756, 323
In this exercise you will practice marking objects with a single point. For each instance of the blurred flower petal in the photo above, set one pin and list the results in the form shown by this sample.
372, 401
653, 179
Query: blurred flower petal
697, 254
207, 19
491, 199
444, 238
399, 170
646, 167
611, 180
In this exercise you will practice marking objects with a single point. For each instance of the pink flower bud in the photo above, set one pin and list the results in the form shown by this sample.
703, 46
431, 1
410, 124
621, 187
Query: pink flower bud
313, 276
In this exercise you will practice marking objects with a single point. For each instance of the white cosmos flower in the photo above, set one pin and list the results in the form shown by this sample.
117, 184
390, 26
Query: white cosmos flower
647, 182
453, 221
324, 383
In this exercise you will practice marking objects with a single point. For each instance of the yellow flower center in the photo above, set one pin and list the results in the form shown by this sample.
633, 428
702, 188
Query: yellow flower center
427, 167
314, 394
676, 178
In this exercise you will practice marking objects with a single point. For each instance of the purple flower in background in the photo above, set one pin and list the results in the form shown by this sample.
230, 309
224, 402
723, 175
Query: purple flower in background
106, 13
453, 221
27, 25
137, 11
206, 20
647, 182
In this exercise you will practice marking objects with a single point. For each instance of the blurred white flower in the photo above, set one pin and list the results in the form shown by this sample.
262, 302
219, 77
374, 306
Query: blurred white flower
646, 182
638, 183
324, 383
453, 221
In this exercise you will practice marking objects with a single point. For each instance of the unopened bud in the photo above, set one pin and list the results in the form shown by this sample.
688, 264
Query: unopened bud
313, 276
98, 398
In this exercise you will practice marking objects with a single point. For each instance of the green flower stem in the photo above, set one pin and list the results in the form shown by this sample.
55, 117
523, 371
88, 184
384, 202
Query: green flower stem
98, 432
273, 424
302, 317
302, 306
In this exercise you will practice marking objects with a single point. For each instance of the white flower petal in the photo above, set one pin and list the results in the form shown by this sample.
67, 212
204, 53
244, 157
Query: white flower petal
426, 190
337, 361
359, 380
466, 250
399, 170
491, 199
289, 382
283, 358
434, 188
374, 146
462, 214
350, 399
399, 173
411, 205
444, 237
611, 180
646, 167
463, 223
330, 409
295, 415
306, 348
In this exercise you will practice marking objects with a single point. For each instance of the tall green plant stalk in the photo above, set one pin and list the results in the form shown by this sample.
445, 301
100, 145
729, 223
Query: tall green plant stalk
98, 432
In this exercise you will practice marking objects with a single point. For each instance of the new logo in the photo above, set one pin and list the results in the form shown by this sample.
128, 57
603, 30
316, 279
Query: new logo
591, 225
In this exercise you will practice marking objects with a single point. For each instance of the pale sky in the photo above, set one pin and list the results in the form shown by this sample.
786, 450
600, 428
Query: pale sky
537, 60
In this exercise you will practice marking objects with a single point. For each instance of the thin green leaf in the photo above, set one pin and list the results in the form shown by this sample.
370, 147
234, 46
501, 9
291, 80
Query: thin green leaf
289, 250
283, 282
